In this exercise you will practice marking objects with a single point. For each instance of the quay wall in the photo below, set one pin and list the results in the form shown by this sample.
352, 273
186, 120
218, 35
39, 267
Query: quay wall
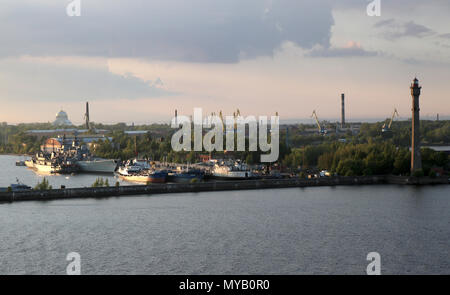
104, 192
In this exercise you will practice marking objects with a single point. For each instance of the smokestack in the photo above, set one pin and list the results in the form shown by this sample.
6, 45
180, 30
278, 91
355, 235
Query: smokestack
87, 115
437, 117
342, 110
176, 117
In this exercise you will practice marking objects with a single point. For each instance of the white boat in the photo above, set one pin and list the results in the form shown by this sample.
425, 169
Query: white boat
41, 164
97, 165
133, 167
236, 170
129, 170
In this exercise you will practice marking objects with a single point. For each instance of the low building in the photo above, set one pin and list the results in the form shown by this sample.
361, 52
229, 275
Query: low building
63, 143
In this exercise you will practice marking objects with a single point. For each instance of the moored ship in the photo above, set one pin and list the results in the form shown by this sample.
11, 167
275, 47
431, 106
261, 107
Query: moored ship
145, 176
231, 171
185, 176
97, 165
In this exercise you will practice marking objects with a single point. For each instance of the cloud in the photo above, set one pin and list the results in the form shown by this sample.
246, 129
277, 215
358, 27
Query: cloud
383, 23
446, 36
40, 81
396, 29
195, 30
352, 49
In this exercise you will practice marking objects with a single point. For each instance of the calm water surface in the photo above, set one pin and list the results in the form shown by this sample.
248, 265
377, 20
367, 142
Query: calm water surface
324, 230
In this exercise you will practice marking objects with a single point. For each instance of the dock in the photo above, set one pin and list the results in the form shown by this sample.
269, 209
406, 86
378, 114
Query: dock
169, 188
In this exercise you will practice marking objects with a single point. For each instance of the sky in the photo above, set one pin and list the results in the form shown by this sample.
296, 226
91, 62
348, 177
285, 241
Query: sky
139, 60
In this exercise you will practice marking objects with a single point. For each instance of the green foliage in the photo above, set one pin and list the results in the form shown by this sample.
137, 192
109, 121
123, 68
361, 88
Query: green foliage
9, 189
432, 174
100, 182
418, 173
44, 185
194, 180
117, 184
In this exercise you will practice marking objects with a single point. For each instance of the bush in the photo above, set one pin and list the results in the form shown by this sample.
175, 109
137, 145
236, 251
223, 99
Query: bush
432, 174
44, 185
9, 189
117, 184
418, 173
194, 180
99, 182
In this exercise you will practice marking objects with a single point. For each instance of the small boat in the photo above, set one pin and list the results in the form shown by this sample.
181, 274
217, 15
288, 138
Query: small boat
16, 187
20, 163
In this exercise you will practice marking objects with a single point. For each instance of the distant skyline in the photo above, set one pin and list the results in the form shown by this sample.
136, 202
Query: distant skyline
137, 61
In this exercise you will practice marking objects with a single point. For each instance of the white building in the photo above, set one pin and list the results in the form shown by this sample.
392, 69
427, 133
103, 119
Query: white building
62, 119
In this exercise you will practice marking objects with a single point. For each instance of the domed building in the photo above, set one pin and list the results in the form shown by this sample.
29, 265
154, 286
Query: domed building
62, 119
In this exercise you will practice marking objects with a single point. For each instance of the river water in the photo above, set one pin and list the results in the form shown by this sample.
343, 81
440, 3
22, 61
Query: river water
320, 230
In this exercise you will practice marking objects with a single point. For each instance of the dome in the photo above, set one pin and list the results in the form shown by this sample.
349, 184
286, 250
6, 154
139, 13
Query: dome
62, 119
62, 114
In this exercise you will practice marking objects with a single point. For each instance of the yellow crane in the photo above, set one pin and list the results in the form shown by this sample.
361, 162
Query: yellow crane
387, 127
322, 130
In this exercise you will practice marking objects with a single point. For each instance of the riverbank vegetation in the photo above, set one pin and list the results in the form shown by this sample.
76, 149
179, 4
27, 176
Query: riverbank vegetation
366, 152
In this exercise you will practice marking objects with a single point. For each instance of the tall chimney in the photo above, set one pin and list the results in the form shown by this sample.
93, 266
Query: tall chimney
342, 110
416, 161
87, 115
176, 117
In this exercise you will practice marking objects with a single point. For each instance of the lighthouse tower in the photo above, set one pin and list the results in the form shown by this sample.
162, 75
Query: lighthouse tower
416, 160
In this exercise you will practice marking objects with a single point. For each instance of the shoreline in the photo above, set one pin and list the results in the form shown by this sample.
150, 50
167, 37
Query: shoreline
166, 188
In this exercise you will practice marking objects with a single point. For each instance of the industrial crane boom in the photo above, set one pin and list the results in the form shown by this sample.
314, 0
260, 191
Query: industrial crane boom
314, 115
392, 118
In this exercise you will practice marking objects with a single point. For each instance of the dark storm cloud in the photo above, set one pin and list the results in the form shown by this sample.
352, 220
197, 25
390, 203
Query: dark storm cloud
195, 30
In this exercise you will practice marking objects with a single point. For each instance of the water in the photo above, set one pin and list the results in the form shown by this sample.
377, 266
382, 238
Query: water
322, 230
9, 172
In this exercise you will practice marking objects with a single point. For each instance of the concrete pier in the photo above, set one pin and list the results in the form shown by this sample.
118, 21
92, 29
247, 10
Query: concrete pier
103, 192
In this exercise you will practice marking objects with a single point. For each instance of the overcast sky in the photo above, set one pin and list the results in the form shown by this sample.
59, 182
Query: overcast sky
139, 60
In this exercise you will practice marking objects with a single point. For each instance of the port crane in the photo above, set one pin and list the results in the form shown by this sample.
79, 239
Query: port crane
387, 127
322, 129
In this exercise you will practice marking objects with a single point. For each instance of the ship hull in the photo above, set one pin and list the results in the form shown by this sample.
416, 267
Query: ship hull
183, 178
45, 168
232, 175
152, 178
229, 177
97, 166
